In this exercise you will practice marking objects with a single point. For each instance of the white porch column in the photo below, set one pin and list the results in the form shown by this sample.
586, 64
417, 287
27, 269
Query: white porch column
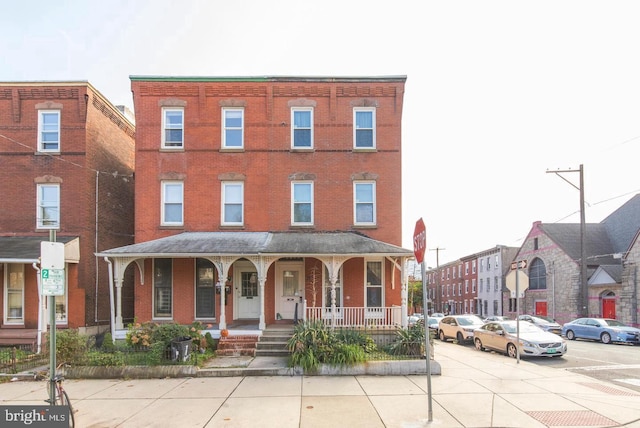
262, 278
118, 284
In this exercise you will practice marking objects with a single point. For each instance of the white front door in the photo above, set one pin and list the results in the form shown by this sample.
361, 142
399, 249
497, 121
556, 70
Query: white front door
289, 290
246, 290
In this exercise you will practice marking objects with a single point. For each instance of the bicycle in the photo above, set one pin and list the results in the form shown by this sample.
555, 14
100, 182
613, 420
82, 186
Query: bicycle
61, 397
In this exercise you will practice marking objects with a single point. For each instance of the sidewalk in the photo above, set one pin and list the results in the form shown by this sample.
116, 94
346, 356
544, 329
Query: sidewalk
474, 389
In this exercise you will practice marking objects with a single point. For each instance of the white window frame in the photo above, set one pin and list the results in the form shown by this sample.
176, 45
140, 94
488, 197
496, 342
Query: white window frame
226, 128
42, 205
42, 130
15, 277
295, 202
225, 202
295, 110
155, 313
165, 202
166, 126
356, 203
372, 111
368, 285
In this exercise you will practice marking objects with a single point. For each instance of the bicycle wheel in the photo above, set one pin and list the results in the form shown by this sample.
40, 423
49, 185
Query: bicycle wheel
63, 400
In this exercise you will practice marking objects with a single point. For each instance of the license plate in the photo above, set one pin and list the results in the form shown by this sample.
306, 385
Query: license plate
552, 351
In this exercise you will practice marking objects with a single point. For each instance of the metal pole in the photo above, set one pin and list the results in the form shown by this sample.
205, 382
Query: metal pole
583, 251
518, 312
52, 338
427, 337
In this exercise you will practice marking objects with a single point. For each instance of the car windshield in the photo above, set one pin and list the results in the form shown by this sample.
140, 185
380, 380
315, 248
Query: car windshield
615, 323
469, 320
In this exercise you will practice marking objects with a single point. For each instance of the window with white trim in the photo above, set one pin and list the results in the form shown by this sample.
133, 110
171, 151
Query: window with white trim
302, 203
233, 203
466, 286
162, 288
373, 288
302, 129
49, 130
172, 203
14, 293
232, 128
364, 128
172, 128
364, 199
48, 206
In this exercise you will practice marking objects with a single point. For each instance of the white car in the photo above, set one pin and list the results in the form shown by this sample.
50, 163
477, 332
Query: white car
458, 327
502, 336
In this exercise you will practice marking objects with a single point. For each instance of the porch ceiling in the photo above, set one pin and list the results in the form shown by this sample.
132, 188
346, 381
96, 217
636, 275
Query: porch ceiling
283, 244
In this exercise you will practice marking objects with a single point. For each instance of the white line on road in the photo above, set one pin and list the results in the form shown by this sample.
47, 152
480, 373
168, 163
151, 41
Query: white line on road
609, 367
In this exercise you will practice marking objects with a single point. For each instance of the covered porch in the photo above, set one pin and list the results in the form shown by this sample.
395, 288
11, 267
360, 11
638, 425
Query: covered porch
290, 276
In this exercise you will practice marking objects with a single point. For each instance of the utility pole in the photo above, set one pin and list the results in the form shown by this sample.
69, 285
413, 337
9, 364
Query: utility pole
583, 298
438, 307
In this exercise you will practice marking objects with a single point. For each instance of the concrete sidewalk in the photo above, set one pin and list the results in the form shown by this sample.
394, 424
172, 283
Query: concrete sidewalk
474, 389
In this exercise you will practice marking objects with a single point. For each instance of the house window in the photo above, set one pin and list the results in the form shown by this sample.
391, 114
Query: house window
48, 206
233, 128
302, 129
466, 286
173, 128
364, 203
302, 203
481, 285
495, 307
535, 243
49, 131
495, 266
473, 266
14, 293
537, 275
162, 284
205, 291
481, 265
249, 284
172, 203
496, 285
374, 284
466, 268
232, 203
473, 285
364, 128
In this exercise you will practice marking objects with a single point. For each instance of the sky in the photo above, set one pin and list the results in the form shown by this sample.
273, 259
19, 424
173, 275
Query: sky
499, 94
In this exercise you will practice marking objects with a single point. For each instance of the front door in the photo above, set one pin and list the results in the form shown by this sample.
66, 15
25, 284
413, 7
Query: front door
289, 290
246, 290
609, 307
541, 307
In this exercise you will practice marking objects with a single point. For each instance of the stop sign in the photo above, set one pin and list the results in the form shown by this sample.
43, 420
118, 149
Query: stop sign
419, 240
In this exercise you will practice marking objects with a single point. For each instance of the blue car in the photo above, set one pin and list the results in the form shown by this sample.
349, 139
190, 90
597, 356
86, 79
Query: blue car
603, 329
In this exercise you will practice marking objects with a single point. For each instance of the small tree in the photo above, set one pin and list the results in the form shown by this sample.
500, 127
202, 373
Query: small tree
314, 280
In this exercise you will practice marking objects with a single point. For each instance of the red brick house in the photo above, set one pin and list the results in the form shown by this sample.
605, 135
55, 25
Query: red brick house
266, 199
67, 157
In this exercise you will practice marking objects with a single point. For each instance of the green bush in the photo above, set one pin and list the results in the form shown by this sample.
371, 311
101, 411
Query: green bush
410, 342
107, 342
105, 359
353, 337
71, 346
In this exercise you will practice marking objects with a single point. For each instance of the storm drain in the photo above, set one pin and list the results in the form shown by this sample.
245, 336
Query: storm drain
608, 389
582, 418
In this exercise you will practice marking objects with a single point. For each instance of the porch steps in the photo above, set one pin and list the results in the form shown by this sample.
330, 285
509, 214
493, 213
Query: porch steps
273, 342
237, 345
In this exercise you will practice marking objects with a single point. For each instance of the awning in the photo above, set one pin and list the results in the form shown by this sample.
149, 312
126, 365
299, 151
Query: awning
26, 249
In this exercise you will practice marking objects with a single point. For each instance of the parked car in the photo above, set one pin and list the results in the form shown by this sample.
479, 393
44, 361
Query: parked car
496, 318
414, 319
433, 323
545, 323
605, 330
437, 315
459, 327
502, 336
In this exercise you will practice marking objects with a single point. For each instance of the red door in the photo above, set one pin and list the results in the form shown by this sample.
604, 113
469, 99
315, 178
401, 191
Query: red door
541, 308
609, 307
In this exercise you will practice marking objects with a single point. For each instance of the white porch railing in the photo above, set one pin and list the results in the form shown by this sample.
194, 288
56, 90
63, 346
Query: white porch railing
356, 316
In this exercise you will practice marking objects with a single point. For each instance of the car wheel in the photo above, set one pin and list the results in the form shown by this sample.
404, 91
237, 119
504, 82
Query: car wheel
605, 338
511, 350
441, 336
478, 344
570, 335
460, 338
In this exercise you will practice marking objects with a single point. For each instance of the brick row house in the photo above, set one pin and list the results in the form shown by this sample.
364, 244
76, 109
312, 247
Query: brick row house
67, 157
551, 255
265, 200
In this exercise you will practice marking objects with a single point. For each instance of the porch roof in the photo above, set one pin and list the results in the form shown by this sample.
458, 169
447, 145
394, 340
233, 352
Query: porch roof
199, 244
26, 249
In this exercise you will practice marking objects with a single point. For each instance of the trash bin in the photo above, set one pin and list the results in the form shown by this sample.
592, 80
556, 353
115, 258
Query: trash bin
180, 348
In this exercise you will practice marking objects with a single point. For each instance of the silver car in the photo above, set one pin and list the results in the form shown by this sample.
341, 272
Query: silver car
458, 327
501, 336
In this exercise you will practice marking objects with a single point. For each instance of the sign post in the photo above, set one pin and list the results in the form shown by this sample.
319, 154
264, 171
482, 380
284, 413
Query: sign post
513, 279
419, 248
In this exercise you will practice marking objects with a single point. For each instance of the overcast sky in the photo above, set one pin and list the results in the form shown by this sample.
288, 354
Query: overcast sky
497, 92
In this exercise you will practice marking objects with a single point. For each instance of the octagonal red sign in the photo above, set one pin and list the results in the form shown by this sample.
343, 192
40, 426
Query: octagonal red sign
419, 240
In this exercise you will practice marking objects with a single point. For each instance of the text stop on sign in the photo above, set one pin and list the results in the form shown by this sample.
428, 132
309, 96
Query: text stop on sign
419, 240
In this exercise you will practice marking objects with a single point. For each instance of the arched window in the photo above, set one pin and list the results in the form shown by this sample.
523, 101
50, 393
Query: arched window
537, 275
